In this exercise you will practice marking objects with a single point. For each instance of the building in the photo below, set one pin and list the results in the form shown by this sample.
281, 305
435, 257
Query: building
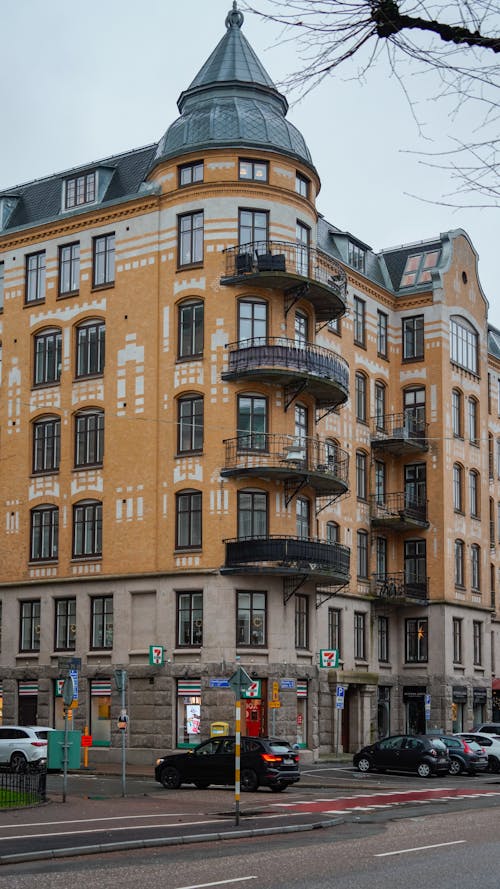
233, 432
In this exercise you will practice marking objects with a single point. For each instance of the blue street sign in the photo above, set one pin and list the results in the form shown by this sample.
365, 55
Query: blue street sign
340, 691
287, 683
219, 683
74, 676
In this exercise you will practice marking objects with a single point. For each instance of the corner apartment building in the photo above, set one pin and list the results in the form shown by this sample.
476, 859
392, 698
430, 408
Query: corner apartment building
232, 431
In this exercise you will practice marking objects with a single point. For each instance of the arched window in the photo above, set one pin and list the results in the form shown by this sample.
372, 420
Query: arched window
189, 423
46, 444
190, 329
332, 532
44, 533
361, 475
463, 344
457, 413
475, 567
47, 357
473, 418
458, 487
252, 514
362, 554
252, 321
87, 528
90, 338
380, 404
474, 493
360, 396
89, 438
459, 563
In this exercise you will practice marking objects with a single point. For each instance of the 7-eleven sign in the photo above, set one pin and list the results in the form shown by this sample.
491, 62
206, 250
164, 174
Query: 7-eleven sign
329, 657
253, 690
156, 655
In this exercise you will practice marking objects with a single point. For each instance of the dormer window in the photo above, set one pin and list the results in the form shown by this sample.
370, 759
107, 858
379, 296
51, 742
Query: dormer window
80, 190
418, 268
356, 257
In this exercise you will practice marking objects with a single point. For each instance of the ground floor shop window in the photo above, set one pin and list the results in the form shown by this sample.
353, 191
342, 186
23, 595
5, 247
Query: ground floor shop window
27, 705
458, 707
188, 712
479, 700
414, 701
100, 712
384, 711
301, 738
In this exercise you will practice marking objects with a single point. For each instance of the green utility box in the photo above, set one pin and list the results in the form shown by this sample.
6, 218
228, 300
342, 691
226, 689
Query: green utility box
219, 728
55, 750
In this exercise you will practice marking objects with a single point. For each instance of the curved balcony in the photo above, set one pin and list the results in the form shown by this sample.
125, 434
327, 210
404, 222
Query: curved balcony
283, 361
282, 556
399, 434
286, 457
303, 271
401, 588
398, 511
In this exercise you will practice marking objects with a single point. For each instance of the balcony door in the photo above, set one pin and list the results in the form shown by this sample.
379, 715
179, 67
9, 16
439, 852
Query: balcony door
252, 322
252, 514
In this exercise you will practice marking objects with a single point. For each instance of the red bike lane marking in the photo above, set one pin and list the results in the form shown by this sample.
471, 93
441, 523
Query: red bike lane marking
344, 803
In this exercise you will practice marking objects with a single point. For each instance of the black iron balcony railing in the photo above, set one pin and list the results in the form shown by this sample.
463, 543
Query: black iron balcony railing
399, 433
286, 264
284, 555
281, 359
399, 510
400, 587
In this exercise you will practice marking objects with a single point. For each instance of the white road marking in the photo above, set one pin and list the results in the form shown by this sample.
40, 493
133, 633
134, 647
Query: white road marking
86, 820
419, 848
217, 883
66, 833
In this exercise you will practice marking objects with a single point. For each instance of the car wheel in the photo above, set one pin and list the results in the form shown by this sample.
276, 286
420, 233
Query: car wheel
18, 762
202, 785
493, 764
424, 770
249, 780
170, 777
278, 788
455, 767
364, 764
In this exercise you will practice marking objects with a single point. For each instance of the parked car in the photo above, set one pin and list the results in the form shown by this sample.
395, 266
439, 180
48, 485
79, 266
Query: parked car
491, 744
465, 756
23, 747
269, 762
405, 753
487, 728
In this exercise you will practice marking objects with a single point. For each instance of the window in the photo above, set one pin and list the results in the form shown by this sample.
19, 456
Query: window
104, 260
2, 281
332, 532
188, 520
498, 457
65, 631
190, 618
190, 238
416, 640
252, 322
302, 517
253, 228
46, 444
414, 409
381, 558
383, 639
475, 567
380, 482
415, 565
457, 413
255, 170
457, 640
48, 349
252, 423
413, 337
360, 635
362, 552
361, 475
35, 277
334, 326
418, 268
69, 269
189, 173
477, 643
458, 488
473, 417
89, 438
359, 321
190, 424
301, 621
252, 514
301, 329
380, 392
459, 563
44, 533
464, 344
251, 618
490, 457
474, 494
360, 396
90, 338
303, 237
87, 529
80, 190
29, 639
101, 622
356, 256
382, 325
302, 185
301, 418
190, 342
334, 628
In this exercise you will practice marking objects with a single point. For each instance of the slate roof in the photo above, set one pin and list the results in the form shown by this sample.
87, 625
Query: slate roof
395, 259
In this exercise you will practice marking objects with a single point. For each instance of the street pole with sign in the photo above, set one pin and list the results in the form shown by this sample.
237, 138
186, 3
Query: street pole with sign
238, 682
121, 685
68, 691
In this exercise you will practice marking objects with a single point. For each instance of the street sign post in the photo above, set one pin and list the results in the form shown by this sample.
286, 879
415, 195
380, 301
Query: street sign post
427, 707
68, 691
121, 678
239, 682
339, 706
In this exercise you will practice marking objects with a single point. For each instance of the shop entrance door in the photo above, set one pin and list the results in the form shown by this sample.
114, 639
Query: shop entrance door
253, 718
28, 709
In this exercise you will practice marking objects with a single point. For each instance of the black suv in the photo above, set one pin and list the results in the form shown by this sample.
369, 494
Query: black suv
267, 762
405, 753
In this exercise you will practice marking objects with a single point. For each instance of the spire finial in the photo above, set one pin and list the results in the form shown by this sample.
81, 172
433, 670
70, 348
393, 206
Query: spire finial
234, 18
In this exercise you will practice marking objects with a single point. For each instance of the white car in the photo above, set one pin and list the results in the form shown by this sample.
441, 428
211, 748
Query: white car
23, 746
491, 745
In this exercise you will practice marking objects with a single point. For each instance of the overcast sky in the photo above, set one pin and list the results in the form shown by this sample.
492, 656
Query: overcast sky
82, 81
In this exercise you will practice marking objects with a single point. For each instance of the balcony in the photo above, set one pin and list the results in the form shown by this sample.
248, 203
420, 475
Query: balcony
283, 361
284, 556
399, 434
401, 588
399, 512
303, 271
288, 458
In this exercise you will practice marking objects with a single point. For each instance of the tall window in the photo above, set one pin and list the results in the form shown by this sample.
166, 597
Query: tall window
380, 392
303, 237
252, 514
191, 238
87, 529
253, 228
188, 520
250, 618
334, 628
29, 636
302, 514
362, 551
359, 321
382, 326
457, 413
380, 481
361, 475
464, 344
44, 533
35, 277
360, 635
459, 563
301, 426
252, 322
477, 643
65, 630
2, 282
414, 408
415, 560
416, 640
301, 621
457, 640
381, 557
190, 618
475, 567
101, 608
458, 488
89, 438
46, 444
190, 424
104, 260
48, 351
90, 339
190, 173
474, 493
383, 638
302, 185
301, 329
69, 269
473, 416
356, 256
332, 532
360, 396
413, 337
80, 190
255, 170
190, 339
252, 422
